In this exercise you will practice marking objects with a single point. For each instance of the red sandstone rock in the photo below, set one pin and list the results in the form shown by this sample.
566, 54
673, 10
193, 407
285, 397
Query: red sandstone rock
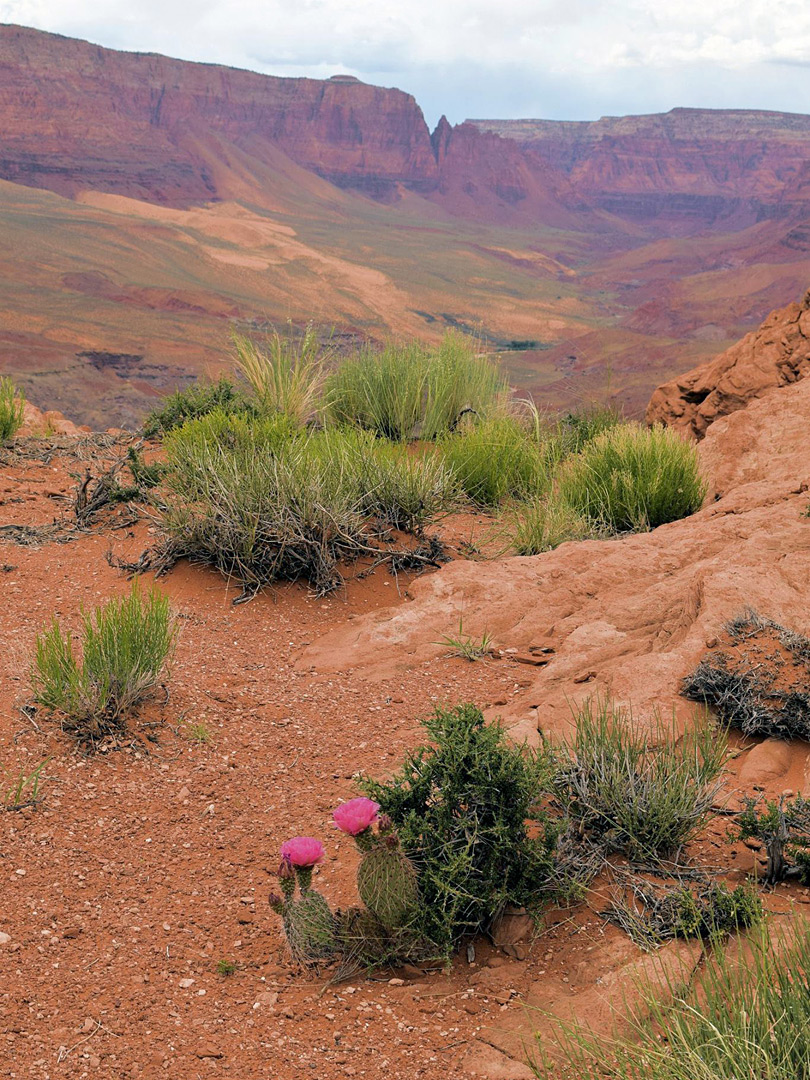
50, 422
776, 354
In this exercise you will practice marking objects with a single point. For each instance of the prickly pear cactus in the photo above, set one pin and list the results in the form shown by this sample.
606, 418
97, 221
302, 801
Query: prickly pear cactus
310, 928
361, 939
386, 881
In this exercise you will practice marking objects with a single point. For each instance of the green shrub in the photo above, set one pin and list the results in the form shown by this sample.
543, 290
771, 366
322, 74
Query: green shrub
642, 794
494, 459
287, 374
12, 410
462, 806
546, 522
402, 489
126, 644
633, 478
745, 1018
783, 826
194, 401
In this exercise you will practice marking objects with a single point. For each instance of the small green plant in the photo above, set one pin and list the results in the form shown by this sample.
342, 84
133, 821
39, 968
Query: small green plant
286, 373
632, 478
24, 787
126, 644
226, 968
198, 732
744, 1018
12, 410
643, 793
466, 810
465, 645
656, 916
197, 400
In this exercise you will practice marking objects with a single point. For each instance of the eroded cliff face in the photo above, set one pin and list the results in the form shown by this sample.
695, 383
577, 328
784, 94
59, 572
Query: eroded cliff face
693, 165
775, 354
78, 116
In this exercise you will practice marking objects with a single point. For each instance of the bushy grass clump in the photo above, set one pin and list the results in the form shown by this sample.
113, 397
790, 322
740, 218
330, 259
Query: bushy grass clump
631, 478
126, 644
644, 794
199, 399
407, 391
462, 806
286, 373
494, 459
12, 410
264, 500
544, 523
746, 1018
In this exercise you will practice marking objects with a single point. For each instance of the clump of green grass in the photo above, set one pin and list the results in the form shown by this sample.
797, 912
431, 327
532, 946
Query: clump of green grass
409, 390
12, 410
194, 401
544, 523
494, 459
24, 788
126, 644
642, 793
463, 806
286, 373
632, 478
746, 1017
226, 968
382, 391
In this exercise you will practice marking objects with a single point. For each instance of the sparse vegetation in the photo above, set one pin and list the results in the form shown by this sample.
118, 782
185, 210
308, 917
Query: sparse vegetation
764, 691
631, 478
545, 523
466, 645
747, 1016
12, 410
23, 787
642, 793
126, 644
463, 806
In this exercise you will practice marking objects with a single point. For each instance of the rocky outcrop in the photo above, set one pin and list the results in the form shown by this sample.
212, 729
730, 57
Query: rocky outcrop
776, 354
50, 422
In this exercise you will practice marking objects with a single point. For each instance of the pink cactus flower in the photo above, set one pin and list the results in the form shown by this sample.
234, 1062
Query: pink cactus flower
303, 851
356, 815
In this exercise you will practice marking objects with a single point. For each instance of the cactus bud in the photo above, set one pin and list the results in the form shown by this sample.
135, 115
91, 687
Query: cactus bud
286, 876
276, 902
385, 824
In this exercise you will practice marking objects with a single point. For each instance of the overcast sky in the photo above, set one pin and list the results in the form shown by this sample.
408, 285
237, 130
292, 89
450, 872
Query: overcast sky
559, 59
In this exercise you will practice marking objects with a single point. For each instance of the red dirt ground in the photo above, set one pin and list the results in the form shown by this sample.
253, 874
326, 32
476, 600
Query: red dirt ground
146, 865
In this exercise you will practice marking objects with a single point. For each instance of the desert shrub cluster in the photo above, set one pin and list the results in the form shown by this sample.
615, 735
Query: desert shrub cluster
391, 437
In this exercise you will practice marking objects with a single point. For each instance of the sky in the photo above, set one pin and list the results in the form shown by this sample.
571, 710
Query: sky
482, 59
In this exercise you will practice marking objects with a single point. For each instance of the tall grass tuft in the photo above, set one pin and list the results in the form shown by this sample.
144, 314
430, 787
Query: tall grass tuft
633, 478
12, 410
746, 1018
126, 644
494, 459
461, 381
645, 794
382, 391
287, 374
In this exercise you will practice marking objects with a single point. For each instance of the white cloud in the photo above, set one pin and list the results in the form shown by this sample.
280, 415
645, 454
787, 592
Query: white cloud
563, 57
